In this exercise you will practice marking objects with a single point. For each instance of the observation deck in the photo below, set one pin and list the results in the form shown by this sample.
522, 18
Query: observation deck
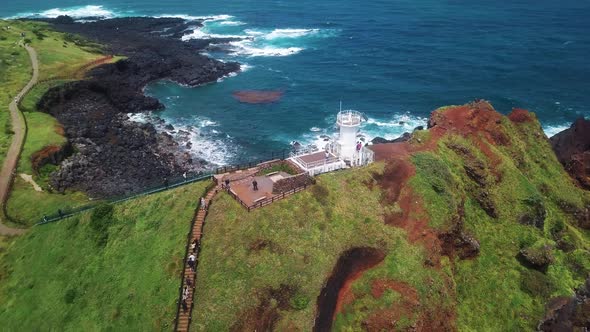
349, 118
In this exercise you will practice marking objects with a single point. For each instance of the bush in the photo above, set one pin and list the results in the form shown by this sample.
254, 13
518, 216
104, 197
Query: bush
299, 301
539, 255
536, 283
100, 220
70, 296
320, 193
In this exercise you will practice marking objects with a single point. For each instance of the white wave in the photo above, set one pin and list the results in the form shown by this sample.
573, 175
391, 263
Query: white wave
253, 33
289, 33
552, 130
75, 12
203, 143
231, 23
207, 123
211, 18
200, 34
314, 129
393, 127
244, 67
247, 48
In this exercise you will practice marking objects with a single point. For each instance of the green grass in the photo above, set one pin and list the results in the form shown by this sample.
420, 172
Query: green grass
59, 55
63, 276
15, 72
305, 233
29, 101
494, 291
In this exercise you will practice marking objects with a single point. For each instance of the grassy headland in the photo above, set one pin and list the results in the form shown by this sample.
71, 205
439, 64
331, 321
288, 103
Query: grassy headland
500, 185
62, 57
108, 269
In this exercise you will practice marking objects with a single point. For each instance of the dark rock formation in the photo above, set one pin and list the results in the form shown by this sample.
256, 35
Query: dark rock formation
456, 241
535, 214
116, 156
568, 314
572, 147
537, 257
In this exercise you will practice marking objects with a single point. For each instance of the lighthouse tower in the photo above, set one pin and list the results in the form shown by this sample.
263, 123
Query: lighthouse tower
349, 123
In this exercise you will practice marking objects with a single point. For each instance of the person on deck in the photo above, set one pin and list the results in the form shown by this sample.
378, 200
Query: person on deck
255, 185
203, 204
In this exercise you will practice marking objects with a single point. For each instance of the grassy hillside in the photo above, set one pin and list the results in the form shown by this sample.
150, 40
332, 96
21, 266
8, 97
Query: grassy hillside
61, 57
15, 72
104, 270
453, 210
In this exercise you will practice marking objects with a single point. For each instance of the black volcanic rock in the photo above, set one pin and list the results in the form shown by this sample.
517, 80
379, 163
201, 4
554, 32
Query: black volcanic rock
572, 147
116, 156
568, 314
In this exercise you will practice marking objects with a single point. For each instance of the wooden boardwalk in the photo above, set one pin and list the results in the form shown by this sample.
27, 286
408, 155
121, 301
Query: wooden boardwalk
183, 317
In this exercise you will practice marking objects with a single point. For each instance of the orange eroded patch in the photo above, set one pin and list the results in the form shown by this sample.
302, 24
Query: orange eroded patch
43, 154
258, 96
59, 129
519, 115
408, 293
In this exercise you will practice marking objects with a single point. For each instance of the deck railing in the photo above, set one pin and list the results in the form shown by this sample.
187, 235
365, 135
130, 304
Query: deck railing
273, 198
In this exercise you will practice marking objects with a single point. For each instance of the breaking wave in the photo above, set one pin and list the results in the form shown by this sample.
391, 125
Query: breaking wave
551, 130
195, 135
388, 128
75, 12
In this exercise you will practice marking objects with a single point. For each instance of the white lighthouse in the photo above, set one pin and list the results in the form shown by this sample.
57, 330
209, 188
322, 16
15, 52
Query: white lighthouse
349, 123
346, 151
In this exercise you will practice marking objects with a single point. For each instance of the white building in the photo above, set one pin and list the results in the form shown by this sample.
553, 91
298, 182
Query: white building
345, 151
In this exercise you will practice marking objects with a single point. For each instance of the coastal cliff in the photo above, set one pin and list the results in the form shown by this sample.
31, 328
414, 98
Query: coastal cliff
572, 147
469, 224
113, 155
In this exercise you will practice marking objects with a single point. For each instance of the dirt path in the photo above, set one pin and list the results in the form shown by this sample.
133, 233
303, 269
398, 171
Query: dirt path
19, 128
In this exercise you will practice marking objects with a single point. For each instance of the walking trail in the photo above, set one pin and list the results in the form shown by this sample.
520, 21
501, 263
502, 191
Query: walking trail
183, 318
19, 128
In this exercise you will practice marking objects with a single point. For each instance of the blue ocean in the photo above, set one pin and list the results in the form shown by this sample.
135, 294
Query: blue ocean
396, 61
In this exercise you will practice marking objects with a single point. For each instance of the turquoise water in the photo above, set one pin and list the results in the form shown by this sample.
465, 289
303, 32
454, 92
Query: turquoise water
396, 61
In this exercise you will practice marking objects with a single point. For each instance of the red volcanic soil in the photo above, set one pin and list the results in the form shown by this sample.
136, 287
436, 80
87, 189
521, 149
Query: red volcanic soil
258, 96
518, 115
349, 267
480, 123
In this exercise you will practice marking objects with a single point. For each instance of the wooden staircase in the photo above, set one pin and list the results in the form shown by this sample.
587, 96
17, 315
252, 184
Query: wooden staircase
183, 318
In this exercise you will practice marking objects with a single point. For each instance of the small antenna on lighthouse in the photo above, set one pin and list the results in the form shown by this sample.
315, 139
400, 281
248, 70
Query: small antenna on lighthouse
341, 106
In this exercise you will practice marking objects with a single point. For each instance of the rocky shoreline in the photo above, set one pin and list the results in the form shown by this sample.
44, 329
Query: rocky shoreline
113, 155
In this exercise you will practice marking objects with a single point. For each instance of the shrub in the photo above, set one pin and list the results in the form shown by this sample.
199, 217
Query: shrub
299, 301
320, 193
100, 220
536, 283
539, 255
70, 296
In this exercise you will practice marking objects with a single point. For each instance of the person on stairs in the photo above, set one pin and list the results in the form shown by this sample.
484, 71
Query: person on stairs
191, 262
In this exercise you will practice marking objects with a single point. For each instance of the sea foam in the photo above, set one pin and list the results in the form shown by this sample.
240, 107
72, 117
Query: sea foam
75, 12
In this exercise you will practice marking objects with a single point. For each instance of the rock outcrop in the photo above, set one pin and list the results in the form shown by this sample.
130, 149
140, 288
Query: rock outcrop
572, 147
568, 314
115, 156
